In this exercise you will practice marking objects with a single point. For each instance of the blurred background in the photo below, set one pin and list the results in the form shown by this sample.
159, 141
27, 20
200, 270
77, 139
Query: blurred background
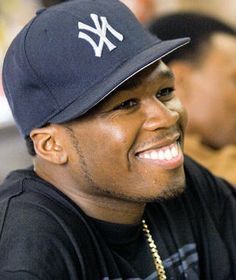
15, 13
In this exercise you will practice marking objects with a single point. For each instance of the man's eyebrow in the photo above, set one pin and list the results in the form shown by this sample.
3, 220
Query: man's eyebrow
135, 81
167, 73
131, 83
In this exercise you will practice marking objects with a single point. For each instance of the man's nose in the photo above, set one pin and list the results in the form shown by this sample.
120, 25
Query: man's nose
159, 115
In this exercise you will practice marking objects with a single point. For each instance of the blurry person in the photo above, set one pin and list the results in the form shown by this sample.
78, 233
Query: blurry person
205, 73
48, 3
144, 10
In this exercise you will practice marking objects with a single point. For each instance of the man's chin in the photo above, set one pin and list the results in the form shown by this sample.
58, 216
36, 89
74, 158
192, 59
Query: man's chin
169, 192
159, 192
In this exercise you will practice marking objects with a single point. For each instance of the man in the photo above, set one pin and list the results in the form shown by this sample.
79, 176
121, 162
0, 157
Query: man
205, 74
108, 196
48, 3
144, 10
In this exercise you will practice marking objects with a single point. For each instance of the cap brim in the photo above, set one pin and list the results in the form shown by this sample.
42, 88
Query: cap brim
119, 76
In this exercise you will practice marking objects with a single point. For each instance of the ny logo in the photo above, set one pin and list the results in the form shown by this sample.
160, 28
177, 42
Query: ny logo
101, 31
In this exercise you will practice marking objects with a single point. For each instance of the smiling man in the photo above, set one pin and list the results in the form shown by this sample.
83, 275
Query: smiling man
110, 195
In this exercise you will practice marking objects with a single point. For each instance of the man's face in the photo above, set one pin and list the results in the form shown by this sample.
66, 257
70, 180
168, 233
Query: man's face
130, 146
213, 93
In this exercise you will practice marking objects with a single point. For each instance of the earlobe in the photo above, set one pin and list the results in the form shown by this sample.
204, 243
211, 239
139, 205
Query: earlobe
48, 146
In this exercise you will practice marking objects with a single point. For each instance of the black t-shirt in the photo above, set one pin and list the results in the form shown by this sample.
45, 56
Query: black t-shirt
129, 246
44, 235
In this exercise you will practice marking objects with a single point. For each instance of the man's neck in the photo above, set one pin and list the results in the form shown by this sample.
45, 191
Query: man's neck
108, 209
97, 206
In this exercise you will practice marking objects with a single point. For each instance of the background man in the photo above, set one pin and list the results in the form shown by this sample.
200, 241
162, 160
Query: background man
144, 10
205, 74
109, 196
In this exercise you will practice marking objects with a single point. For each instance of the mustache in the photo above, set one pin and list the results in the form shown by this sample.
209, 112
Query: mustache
165, 134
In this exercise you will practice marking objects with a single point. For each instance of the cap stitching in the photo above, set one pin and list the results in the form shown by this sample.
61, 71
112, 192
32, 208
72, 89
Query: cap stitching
42, 83
5, 86
70, 101
59, 108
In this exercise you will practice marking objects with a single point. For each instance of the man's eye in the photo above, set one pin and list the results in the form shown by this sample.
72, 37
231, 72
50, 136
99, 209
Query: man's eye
165, 93
126, 104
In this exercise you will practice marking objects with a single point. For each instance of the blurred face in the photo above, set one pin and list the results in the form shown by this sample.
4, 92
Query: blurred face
144, 10
212, 93
130, 146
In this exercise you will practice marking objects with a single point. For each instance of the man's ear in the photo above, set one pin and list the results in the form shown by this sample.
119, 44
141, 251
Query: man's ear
49, 145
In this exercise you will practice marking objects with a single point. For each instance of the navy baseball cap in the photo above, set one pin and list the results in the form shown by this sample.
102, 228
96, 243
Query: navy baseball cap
71, 56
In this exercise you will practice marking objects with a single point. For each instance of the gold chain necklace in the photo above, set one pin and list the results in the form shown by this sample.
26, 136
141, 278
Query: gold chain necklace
153, 248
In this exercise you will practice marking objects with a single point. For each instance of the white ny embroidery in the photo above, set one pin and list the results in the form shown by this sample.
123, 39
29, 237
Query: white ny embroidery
100, 30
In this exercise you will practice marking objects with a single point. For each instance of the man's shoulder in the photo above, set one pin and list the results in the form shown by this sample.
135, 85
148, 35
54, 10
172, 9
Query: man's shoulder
197, 174
13, 184
206, 189
26, 198
10, 190
19, 187
35, 217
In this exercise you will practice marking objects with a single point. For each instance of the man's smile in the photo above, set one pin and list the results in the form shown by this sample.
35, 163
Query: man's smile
169, 156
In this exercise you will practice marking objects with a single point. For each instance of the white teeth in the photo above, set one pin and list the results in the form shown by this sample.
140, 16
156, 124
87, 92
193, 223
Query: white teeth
147, 155
154, 155
166, 153
174, 151
161, 155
